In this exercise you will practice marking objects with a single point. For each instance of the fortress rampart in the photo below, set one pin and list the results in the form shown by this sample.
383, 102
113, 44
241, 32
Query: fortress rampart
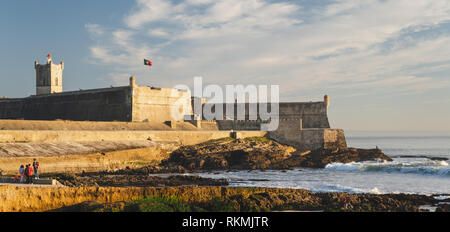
126, 103
111, 104
144, 104
306, 139
159, 104
181, 137
311, 114
304, 125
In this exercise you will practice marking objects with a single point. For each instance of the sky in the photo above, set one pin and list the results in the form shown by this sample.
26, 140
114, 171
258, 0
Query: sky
385, 64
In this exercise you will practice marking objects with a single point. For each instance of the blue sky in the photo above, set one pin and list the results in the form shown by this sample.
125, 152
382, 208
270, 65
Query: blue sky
385, 64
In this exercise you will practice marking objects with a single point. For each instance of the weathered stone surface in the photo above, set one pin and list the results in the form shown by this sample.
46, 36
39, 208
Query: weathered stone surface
106, 179
159, 104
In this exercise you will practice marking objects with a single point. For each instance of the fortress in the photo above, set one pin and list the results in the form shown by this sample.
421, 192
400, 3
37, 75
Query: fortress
304, 125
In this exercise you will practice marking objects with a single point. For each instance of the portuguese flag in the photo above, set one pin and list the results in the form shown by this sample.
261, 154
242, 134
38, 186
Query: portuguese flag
147, 62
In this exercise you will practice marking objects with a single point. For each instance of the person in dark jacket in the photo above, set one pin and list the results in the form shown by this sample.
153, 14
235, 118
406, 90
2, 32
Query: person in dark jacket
25, 173
36, 169
29, 173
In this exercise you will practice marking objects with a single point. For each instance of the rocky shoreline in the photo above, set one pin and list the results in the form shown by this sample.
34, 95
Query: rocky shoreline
243, 154
254, 154
218, 155
104, 179
265, 200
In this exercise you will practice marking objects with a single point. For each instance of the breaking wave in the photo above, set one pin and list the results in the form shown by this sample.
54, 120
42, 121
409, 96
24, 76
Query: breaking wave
425, 167
347, 189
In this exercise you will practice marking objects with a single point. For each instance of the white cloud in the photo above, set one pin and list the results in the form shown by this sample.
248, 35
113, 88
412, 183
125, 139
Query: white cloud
148, 11
228, 10
94, 29
122, 37
199, 2
159, 32
259, 41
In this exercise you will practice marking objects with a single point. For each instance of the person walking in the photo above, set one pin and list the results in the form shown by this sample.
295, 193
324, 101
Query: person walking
21, 173
36, 169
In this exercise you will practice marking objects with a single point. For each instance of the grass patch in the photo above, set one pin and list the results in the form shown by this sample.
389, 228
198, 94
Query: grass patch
258, 139
158, 204
173, 204
236, 203
212, 141
142, 163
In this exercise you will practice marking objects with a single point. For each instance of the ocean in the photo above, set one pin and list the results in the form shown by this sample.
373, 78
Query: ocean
420, 166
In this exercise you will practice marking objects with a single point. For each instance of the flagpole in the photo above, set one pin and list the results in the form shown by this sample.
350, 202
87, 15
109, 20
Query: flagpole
147, 63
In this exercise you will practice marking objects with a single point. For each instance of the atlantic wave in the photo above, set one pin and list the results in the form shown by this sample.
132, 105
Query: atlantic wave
422, 167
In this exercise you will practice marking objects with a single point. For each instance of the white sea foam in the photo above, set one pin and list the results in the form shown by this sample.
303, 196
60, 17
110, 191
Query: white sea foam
423, 167
442, 197
406, 174
347, 189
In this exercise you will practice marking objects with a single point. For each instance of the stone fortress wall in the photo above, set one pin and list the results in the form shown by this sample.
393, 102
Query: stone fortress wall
311, 114
180, 137
158, 104
111, 104
127, 103
304, 125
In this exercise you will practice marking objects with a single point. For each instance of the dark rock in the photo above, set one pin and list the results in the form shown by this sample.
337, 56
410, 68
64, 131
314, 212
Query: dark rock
443, 208
260, 155
123, 180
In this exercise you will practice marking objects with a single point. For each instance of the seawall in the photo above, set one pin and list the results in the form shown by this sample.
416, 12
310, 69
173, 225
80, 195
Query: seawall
66, 125
182, 137
90, 162
73, 151
306, 139
33, 199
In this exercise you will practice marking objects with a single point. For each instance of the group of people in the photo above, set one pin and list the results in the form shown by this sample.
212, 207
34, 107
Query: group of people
26, 172
347, 204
